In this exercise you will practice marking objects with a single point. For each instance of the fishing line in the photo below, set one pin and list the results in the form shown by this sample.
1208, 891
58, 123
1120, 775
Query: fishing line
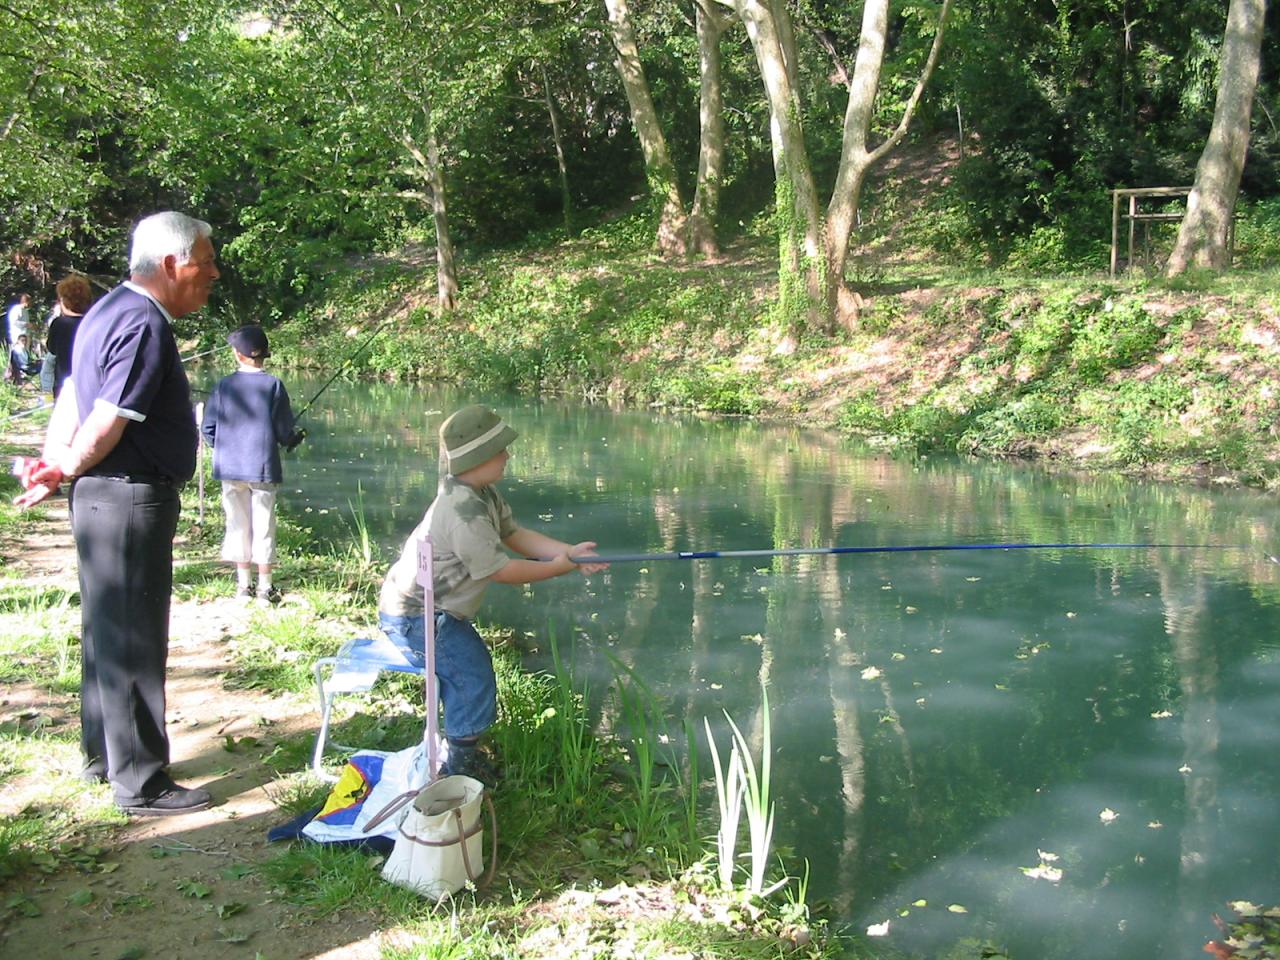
907, 548
341, 369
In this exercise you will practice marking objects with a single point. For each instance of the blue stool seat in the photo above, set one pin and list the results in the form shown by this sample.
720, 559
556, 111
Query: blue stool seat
354, 669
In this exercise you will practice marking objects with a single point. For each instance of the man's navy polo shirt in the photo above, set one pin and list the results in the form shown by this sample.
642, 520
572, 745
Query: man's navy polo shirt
125, 356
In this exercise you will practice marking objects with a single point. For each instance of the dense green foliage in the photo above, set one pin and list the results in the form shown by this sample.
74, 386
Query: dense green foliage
287, 126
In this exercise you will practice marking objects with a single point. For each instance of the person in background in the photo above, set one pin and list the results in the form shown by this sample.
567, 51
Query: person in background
124, 433
471, 529
246, 420
18, 318
74, 297
20, 354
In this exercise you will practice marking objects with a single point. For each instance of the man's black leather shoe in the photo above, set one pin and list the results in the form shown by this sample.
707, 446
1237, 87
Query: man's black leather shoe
170, 802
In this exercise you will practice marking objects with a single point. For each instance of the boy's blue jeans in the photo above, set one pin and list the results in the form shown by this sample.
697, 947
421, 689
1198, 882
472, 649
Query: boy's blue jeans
464, 668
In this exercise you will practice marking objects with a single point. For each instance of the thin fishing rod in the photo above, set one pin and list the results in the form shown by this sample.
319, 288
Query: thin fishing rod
48, 406
197, 356
909, 548
337, 373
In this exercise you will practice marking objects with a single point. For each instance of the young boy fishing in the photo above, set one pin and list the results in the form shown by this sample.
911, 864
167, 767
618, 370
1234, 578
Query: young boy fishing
246, 420
471, 529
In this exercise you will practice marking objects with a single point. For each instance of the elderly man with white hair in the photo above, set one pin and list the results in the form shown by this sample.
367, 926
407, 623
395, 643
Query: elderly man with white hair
123, 432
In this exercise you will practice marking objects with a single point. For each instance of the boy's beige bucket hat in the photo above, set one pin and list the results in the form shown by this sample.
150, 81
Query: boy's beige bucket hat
471, 436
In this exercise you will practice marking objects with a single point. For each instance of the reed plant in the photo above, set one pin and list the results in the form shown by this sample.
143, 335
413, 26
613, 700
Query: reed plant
741, 785
363, 546
729, 793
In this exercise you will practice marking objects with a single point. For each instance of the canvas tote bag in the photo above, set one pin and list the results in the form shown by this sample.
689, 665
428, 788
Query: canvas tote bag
439, 840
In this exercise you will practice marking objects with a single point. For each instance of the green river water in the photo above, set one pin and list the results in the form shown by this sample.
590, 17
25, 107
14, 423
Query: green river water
949, 729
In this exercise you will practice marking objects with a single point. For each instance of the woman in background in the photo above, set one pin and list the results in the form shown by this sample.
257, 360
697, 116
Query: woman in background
74, 297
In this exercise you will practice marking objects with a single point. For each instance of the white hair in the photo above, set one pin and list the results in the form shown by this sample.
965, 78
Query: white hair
161, 235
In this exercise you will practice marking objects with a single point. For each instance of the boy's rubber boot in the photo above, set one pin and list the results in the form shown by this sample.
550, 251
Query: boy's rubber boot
466, 759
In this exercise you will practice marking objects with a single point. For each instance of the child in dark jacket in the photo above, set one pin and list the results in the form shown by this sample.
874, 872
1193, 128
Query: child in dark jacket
246, 420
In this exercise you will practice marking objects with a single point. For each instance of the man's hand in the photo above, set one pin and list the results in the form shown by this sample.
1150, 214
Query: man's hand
40, 480
295, 438
586, 549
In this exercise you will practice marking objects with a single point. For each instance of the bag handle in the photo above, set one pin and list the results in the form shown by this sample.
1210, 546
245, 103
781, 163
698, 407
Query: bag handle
389, 809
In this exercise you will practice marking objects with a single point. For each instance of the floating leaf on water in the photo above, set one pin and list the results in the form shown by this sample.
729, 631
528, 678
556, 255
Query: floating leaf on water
920, 701
1184, 769
1244, 908
1046, 857
1161, 715
1071, 614
912, 610
1108, 815
1155, 824
717, 686
878, 929
840, 634
887, 586
919, 903
935, 649
956, 908
899, 656
973, 579
1043, 872
871, 673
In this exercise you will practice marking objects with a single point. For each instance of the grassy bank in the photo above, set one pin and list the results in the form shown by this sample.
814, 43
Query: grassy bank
1176, 380
603, 839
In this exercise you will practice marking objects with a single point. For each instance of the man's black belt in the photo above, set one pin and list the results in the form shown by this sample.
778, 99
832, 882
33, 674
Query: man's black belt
157, 479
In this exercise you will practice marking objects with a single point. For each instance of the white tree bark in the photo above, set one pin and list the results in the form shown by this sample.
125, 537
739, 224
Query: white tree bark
672, 226
1203, 236
856, 156
703, 217
428, 162
799, 237
824, 246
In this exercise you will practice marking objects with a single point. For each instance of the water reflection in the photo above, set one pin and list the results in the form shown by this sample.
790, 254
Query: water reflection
942, 723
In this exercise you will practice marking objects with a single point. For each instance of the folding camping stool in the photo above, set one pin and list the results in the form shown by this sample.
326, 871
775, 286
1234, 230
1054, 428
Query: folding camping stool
354, 669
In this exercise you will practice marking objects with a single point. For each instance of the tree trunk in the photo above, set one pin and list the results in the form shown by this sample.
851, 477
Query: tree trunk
1206, 227
566, 199
429, 163
800, 260
672, 226
706, 199
811, 285
856, 159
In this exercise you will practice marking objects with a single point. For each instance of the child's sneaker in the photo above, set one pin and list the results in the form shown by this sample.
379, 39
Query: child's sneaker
271, 595
244, 593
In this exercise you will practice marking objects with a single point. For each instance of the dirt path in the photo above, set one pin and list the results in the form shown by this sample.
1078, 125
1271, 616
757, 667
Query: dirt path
187, 886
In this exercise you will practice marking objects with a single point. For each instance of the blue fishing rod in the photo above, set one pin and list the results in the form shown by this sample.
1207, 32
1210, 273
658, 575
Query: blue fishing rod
908, 548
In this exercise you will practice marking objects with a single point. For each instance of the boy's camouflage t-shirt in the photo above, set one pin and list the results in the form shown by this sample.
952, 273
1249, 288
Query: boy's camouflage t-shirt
467, 526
